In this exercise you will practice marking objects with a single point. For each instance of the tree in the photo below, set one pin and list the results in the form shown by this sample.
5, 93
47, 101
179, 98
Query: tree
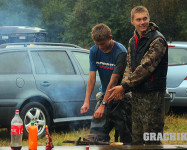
87, 14
182, 22
55, 15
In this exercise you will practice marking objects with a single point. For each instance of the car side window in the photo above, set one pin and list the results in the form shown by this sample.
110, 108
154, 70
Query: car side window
177, 56
52, 62
83, 59
15, 63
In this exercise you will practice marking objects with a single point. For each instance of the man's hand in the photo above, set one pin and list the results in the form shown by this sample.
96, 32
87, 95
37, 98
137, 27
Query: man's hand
85, 108
99, 112
118, 93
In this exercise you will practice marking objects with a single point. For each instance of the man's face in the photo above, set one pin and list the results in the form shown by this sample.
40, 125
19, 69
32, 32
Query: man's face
103, 45
141, 22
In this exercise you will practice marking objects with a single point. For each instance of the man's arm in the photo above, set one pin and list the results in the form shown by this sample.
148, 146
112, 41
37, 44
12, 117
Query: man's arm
114, 80
89, 90
118, 91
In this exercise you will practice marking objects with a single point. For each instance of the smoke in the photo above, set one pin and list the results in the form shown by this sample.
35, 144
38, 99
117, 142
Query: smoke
16, 13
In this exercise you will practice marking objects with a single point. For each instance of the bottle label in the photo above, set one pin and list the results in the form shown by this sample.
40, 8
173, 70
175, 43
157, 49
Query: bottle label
16, 129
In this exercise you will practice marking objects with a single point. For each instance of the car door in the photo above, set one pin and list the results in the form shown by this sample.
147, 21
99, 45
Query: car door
16, 79
83, 61
57, 77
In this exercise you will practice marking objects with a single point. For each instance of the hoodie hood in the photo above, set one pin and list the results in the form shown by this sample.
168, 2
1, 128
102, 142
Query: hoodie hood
152, 26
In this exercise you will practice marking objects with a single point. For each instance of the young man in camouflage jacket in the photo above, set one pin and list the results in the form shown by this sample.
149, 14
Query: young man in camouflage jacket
145, 76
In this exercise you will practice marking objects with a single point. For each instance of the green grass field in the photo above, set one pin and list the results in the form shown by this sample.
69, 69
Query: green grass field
173, 124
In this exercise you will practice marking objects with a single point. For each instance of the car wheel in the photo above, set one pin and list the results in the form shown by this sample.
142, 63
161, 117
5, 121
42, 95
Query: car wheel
35, 112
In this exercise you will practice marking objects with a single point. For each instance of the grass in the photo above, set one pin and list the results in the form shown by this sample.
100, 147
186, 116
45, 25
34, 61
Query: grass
173, 124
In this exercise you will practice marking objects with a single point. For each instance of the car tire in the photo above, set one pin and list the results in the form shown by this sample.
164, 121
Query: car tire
35, 112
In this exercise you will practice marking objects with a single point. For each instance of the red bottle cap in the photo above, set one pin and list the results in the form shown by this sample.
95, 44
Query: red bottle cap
87, 147
17, 111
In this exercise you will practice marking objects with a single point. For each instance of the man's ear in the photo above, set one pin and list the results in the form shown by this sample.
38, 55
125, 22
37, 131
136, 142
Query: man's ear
131, 21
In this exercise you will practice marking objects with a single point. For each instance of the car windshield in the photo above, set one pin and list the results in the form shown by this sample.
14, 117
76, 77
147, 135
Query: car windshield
177, 56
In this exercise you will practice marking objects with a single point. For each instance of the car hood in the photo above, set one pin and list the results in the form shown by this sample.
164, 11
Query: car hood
175, 75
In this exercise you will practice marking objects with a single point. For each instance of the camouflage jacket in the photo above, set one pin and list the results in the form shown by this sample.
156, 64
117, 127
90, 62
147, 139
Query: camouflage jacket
147, 61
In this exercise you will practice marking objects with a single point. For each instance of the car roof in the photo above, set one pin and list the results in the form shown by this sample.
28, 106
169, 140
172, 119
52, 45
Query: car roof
178, 44
40, 46
20, 29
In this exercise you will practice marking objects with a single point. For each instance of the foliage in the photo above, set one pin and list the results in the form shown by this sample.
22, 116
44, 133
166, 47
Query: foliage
71, 21
55, 16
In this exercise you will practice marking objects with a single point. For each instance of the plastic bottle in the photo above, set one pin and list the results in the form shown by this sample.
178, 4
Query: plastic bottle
32, 137
16, 132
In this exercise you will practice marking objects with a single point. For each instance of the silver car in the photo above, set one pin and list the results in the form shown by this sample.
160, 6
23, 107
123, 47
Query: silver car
177, 73
46, 82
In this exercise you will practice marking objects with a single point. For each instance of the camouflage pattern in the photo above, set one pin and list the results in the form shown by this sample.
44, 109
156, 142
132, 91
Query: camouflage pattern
117, 114
148, 63
147, 107
148, 112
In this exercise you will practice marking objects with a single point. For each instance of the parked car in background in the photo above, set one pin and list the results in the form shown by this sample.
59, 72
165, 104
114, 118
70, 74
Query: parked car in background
177, 73
18, 34
46, 82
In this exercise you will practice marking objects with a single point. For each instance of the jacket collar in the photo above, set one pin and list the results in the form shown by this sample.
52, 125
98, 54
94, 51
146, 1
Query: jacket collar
152, 26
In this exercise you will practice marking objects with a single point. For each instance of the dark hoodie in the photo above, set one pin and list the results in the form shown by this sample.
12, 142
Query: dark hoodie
147, 61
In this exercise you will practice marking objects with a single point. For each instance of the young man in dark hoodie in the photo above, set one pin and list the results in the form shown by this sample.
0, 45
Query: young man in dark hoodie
145, 75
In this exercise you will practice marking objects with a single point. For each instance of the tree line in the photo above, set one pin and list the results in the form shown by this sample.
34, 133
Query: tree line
71, 21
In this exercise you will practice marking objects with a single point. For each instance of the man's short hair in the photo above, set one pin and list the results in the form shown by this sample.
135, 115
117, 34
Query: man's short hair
138, 9
101, 32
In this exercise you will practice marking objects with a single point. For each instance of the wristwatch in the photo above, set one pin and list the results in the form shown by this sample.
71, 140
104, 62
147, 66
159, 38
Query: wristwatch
104, 103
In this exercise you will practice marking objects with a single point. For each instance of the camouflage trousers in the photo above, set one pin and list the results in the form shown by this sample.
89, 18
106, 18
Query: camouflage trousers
148, 112
117, 114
